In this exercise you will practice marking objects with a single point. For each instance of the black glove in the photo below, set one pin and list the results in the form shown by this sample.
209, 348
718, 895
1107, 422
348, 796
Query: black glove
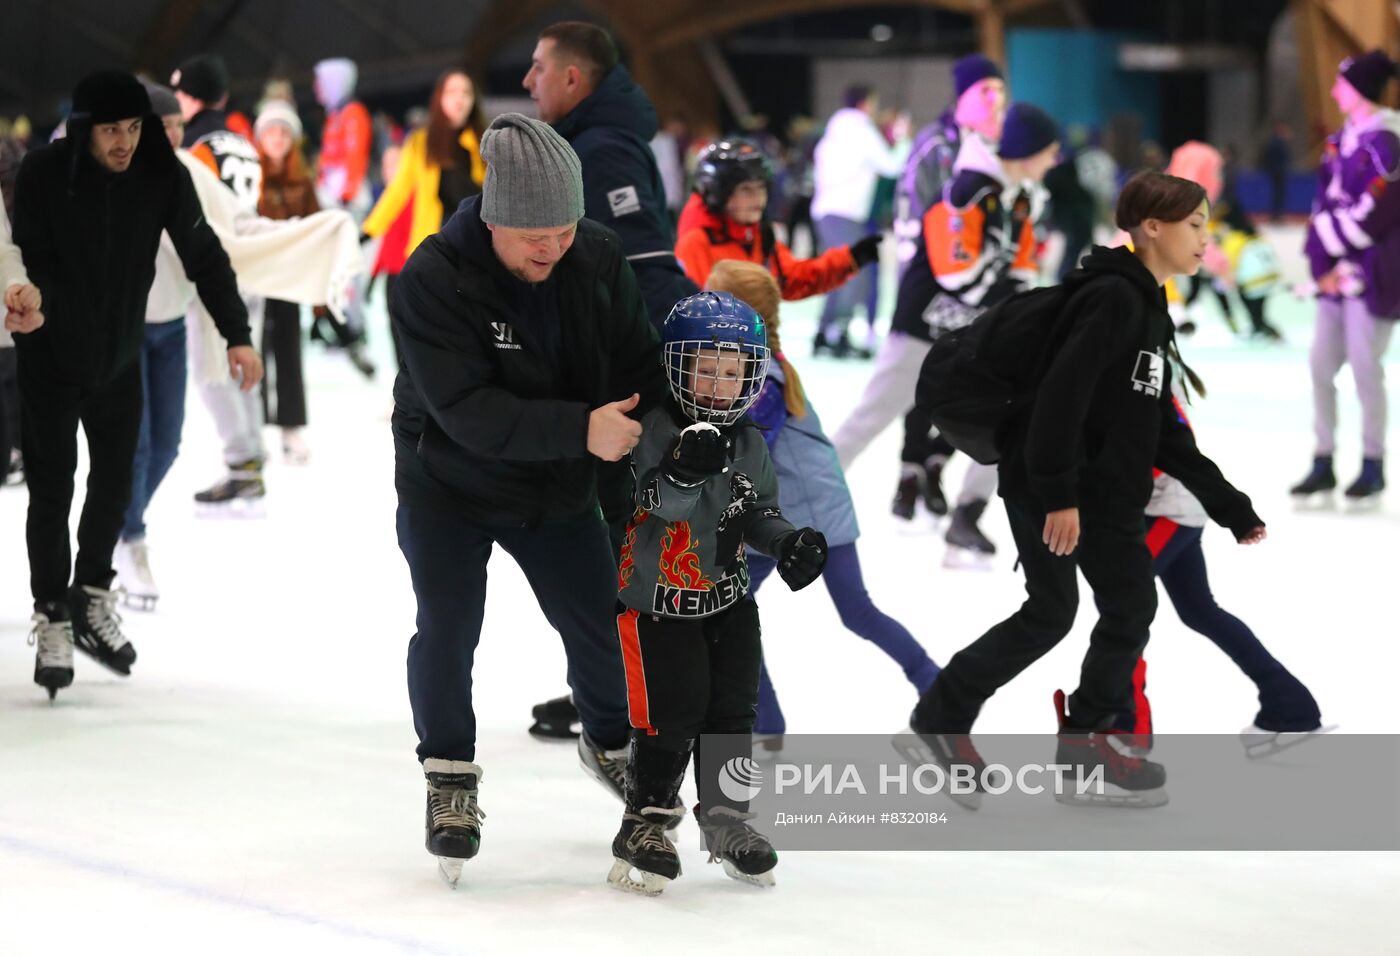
696, 454
866, 251
801, 557
365, 237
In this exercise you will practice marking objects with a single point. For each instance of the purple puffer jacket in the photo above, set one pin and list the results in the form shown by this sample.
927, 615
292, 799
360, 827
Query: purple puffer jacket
1356, 216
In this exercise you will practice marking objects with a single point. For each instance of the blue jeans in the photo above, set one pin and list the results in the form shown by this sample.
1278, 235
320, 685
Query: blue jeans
163, 374
841, 302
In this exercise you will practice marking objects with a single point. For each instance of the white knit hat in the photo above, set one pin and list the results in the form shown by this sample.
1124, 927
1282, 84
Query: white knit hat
278, 111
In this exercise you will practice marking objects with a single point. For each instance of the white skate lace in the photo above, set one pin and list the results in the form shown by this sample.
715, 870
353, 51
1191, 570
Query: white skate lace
648, 835
53, 641
457, 810
103, 618
734, 837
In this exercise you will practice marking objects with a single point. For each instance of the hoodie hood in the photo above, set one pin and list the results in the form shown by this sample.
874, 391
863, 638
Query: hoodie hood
618, 101
152, 150
1119, 261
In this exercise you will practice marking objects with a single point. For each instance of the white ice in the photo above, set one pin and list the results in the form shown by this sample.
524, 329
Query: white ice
253, 788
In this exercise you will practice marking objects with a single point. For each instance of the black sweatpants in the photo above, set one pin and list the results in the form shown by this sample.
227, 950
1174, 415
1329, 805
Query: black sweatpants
1113, 555
50, 411
691, 677
284, 383
573, 574
9, 407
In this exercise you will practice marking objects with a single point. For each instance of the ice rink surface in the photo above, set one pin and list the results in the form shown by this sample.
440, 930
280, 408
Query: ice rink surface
253, 788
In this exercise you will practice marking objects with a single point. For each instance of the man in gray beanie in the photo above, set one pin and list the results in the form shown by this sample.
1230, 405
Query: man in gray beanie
528, 357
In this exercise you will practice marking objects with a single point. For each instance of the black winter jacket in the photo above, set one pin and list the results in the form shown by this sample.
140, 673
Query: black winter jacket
89, 239
491, 417
611, 130
1103, 416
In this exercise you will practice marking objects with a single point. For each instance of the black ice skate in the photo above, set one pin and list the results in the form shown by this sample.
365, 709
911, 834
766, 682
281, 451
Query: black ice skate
52, 639
97, 628
1103, 771
968, 547
1321, 482
453, 819
609, 768
746, 854
1369, 484
644, 858
556, 719
934, 499
240, 494
958, 757
906, 495
1260, 743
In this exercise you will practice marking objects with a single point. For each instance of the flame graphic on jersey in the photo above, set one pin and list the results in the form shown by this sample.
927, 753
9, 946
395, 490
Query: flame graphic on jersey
680, 565
627, 562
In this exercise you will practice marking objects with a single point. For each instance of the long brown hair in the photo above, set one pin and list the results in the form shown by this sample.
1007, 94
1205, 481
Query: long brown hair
750, 282
442, 135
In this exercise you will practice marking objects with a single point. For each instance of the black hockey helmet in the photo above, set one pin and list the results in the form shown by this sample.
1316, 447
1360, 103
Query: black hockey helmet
725, 164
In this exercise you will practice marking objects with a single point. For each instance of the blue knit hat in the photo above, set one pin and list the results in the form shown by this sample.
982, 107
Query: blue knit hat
1026, 131
973, 69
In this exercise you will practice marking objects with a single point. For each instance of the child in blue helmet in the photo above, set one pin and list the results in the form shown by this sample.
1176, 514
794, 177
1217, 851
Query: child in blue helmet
686, 621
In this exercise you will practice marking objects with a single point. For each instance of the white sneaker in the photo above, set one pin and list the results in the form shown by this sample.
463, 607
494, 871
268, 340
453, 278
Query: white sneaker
133, 562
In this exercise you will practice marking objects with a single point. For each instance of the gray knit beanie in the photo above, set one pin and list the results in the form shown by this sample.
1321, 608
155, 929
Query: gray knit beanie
533, 176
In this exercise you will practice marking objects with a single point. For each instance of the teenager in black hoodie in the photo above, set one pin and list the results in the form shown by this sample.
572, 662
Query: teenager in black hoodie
89, 212
1076, 474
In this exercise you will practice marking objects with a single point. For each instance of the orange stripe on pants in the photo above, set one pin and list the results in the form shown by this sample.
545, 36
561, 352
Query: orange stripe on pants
638, 714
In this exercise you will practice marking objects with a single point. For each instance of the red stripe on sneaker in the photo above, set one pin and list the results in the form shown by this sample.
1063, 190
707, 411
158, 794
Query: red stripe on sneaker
638, 713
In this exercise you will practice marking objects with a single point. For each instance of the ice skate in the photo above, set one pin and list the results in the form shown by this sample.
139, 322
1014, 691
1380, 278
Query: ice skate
453, 819
906, 495
644, 858
1103, 770
555, 719
746, 854
241, 494
1365, 491
52, 639
609, 768
1315, 491
952, 752
97, 628
1260, 743
355, 351
295, 451
968, 548
934, 499
134, 576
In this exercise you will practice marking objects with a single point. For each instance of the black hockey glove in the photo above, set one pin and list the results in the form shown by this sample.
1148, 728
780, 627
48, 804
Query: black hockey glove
866, 251
801, 557
699, 452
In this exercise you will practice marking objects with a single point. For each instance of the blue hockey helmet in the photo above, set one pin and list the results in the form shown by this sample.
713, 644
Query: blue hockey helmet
722, 166
715, 348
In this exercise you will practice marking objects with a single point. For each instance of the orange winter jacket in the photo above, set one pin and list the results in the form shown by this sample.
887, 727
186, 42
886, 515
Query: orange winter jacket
345, 146
716, 238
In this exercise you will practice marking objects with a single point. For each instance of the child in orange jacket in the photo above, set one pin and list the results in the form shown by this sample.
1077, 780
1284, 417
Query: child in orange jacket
725, 219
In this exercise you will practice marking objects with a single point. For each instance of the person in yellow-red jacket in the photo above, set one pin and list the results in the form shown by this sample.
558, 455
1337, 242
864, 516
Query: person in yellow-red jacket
440, 166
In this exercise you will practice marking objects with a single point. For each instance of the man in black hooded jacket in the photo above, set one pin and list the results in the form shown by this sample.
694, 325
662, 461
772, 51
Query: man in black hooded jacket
89, 212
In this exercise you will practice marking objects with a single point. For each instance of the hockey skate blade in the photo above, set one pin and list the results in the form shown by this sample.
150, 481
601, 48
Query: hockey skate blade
1363, 506
964, 559
140, 602
450, 869
240, 508
1317, 501
1113, 797
909, 745
765, 879
644, 883
1258, 746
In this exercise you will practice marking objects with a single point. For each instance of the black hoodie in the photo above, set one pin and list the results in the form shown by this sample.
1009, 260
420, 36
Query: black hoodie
89, 239
491, 410
1103, 416
611, 130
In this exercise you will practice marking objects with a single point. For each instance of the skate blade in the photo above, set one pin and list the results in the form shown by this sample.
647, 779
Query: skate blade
141, 602
1260, 746
644, 883
1317, 501
450, 869
552, 733
243, 508
1114, 797
963, 559
912, 748
1367, 505
765, 879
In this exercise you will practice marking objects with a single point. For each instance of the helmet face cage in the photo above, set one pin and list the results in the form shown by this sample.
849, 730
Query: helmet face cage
723, 166
702, 394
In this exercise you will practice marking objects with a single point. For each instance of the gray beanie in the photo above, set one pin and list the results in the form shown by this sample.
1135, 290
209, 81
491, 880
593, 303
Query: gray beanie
533, 176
